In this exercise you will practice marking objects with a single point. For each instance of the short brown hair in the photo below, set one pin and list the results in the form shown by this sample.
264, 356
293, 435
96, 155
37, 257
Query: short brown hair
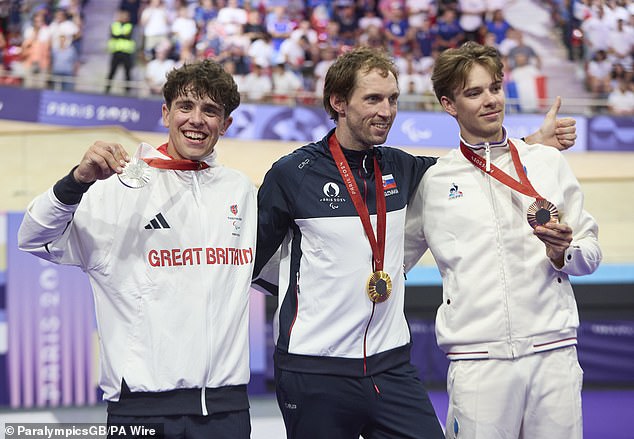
205, 78
341, 78
452, 67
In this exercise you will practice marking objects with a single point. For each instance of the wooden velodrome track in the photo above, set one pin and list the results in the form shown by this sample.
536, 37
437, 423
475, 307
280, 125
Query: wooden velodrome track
34, 156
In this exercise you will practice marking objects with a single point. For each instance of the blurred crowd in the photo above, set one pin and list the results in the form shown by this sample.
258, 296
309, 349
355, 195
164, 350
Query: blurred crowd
600, 35
279, 51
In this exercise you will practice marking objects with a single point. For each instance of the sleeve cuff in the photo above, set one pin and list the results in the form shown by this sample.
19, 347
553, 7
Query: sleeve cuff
68, 190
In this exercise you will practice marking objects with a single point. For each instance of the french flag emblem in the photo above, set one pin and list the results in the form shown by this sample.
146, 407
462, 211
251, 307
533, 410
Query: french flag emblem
388, 182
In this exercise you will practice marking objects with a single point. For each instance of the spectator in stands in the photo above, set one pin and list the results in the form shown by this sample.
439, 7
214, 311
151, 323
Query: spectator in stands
599, 74
419, 11
122, 48
596, 33
232, 18
235, 53
369, 18
498, 26
333, 37
448, 30
304, 29
204, 12
523, 49
397, 30
621, 99
471, 17
64, 64
36, 51
230, 67
373, 36
293, 53
257, 85
348, 21
525, 75
621, 45
157, 69
278, 25
413, 84
155, 24
286, 84
328, 55
63, 25
319, 19
254, 27
619, 73
581, 11
184, 31
262, 51
511, 40
209, 43
423, 37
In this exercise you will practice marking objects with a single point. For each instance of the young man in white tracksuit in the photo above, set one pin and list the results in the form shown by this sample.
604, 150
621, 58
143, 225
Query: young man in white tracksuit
506, 225
168, 245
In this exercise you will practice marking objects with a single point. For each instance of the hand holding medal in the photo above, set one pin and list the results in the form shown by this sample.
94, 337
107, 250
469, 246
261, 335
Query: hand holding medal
100, 161
542, 212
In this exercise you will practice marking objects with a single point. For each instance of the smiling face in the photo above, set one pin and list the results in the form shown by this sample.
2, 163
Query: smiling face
478, 106
195, 124
366, 117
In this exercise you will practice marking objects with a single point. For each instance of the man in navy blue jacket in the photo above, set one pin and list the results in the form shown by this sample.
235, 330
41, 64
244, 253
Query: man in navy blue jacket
335, 209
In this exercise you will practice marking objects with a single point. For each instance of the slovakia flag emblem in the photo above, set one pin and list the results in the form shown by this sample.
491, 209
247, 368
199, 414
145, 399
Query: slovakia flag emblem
388, 182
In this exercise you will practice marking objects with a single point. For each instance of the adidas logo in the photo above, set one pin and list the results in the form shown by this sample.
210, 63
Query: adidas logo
158, 222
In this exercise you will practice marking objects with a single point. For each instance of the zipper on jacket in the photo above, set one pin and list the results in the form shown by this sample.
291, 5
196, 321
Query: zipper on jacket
203, 399
499, 251
196, 188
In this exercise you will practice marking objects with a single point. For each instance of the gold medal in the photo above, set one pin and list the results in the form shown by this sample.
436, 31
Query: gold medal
379, 286
136, 174
541, 212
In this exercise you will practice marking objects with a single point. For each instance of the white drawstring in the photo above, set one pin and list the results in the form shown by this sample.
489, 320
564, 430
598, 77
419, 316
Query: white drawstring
487, 153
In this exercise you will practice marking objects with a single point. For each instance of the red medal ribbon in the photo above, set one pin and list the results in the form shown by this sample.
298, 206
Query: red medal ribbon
523, 186
181, 165
377, 244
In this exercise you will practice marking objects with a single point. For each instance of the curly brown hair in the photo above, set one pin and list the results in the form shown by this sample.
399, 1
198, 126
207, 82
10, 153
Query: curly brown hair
205, 78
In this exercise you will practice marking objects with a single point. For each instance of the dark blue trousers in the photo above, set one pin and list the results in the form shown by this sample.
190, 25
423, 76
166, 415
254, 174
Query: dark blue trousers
389, 405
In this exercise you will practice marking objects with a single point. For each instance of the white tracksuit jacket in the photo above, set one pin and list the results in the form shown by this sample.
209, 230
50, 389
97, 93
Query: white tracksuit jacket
170, 266
502, 297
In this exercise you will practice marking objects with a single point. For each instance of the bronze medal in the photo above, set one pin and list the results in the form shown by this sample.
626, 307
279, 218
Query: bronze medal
379, 286
541, 212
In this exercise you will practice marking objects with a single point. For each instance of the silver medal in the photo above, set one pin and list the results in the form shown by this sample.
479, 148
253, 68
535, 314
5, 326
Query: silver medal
136, 174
